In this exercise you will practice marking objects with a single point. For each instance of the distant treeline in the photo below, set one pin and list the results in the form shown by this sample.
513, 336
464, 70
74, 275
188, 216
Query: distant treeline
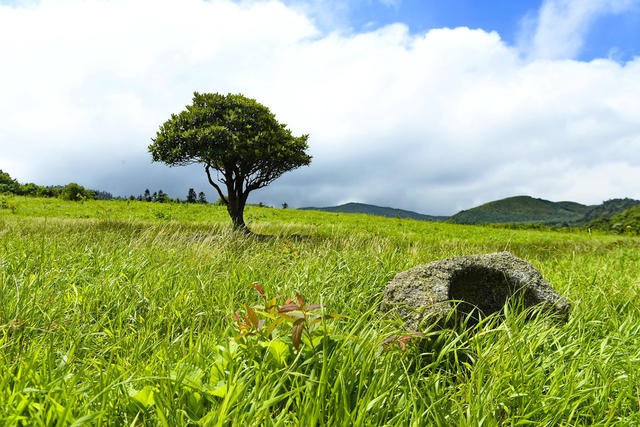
162, 197
73, 191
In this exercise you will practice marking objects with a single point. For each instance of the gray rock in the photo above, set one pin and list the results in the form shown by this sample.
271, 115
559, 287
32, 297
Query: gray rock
474, 284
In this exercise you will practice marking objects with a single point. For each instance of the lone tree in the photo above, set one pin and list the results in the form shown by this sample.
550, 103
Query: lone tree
235, 136
202, 198
191, 196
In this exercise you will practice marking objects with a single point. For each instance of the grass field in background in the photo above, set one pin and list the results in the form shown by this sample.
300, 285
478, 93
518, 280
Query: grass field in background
119, 313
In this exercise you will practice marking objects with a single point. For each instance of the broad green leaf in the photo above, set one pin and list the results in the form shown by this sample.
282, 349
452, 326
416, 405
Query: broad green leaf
219, 390
145, 396
188, 374
216, 373
279, 351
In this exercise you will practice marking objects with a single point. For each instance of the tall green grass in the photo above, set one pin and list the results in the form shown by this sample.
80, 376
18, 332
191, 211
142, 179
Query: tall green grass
120, 313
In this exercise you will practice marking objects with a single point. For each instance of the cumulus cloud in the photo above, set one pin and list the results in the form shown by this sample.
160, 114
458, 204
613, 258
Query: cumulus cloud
433, 122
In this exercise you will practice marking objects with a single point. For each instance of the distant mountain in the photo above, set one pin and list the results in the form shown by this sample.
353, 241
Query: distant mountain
521, 209
363, 208
529, 210
512, 210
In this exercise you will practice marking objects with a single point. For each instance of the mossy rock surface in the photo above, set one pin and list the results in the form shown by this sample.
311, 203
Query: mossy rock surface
479, 285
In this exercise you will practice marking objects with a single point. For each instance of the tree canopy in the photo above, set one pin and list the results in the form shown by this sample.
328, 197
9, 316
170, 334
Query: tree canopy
73, 191
237, 138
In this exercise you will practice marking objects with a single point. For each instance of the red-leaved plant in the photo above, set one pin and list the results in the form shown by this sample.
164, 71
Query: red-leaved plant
264, 321
401, 341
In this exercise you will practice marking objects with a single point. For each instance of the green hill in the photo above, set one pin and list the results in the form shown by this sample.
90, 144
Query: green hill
610, 208
523, 210
363, 208
627, 221
529, 210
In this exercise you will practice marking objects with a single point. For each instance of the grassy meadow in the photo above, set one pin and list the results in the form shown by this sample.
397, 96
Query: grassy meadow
120, 313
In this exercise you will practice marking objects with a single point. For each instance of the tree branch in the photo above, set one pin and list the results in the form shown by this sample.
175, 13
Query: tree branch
224, 199
261, 179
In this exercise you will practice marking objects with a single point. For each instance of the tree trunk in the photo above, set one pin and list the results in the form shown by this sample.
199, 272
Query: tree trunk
235, 207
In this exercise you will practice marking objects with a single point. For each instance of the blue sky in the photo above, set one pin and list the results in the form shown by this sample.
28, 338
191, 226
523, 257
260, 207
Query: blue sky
502, 16
616, 35
464, 102
611, 34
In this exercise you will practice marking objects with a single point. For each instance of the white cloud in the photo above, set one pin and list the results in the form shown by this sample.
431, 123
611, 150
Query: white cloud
433, 122
559, 30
